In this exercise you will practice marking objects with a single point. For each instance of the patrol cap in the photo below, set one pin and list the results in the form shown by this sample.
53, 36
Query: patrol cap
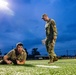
19, 44
44, 15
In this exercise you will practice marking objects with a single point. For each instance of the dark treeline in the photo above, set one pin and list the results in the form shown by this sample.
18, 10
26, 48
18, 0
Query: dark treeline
35, 54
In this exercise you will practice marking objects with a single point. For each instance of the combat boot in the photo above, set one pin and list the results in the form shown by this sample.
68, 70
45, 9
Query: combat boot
55, 59
51, 60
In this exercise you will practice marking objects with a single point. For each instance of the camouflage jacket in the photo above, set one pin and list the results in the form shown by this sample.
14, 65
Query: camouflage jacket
13, 55
51, 29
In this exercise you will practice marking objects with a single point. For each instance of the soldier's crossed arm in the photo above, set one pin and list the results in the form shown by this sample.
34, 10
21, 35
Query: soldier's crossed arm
23, 59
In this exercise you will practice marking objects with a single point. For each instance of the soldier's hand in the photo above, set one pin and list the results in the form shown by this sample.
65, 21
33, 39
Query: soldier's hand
43, 42
17, 61
9, 62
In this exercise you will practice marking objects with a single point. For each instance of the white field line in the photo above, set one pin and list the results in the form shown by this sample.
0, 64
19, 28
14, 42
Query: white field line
47, 66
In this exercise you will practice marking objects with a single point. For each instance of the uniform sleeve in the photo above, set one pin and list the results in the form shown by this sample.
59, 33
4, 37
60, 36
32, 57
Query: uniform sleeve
24, 56
9, 54
54, 28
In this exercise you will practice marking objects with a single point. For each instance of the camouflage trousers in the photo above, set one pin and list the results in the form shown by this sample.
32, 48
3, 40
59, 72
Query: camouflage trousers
50, 47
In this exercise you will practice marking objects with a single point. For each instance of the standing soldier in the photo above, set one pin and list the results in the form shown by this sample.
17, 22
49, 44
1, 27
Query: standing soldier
51, 35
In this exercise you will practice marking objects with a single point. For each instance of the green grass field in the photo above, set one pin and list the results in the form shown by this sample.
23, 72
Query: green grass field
66, 67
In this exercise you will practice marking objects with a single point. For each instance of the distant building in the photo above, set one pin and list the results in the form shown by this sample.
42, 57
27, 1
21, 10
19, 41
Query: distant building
41, 57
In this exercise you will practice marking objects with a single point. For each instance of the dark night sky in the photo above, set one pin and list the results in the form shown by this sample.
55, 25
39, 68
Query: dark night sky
20, 21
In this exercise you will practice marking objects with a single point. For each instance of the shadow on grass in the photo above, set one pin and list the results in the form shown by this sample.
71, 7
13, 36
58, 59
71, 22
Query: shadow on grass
26, 65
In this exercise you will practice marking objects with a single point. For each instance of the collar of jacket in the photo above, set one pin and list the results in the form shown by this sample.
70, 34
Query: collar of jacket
48, 20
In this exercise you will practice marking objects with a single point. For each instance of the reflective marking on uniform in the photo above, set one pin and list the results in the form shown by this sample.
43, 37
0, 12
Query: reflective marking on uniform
47, 66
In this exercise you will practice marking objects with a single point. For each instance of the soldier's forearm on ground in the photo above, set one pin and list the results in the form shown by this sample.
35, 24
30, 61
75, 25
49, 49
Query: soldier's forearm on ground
5, 58
20, 62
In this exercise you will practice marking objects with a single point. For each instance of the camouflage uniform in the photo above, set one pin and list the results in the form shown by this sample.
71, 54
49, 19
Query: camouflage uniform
51, 31
13, 56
